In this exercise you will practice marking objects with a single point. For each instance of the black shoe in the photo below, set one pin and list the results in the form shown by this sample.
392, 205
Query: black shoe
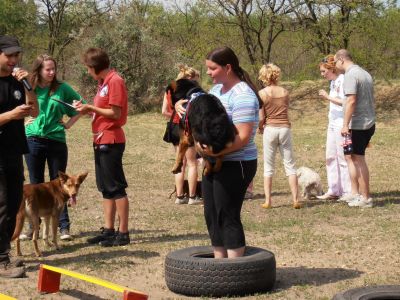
119, 239
8, 270
105, 234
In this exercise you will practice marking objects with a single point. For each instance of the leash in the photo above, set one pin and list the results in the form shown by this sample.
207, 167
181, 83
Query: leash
185, 117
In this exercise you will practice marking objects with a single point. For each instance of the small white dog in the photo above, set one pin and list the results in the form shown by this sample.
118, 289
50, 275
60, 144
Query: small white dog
309, 181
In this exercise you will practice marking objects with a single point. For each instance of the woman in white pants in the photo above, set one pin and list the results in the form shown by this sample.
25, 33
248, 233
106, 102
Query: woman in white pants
339, 183
275, 124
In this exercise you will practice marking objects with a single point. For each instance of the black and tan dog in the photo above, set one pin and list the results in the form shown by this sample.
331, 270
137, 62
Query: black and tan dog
205, 122
46, 200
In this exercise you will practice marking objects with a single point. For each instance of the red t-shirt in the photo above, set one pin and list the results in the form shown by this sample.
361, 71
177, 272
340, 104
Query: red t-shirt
171, 109
112, 91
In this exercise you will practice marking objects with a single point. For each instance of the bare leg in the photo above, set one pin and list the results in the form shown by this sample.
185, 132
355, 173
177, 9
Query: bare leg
293, 184
267, 191
363, 174
353, 174
191, 162
122, 205
220, 252
109, 213
232, 253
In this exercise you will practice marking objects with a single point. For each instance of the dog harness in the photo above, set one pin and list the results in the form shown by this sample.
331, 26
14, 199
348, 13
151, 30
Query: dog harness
193, 97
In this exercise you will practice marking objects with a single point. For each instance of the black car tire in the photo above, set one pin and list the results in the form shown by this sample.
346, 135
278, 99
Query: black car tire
194, 272
370, 293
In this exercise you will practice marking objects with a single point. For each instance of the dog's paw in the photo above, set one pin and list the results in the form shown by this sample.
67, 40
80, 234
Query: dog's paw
177, 169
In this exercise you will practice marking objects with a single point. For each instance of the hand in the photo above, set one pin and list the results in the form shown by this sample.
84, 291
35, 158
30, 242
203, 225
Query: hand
82, 108
323, 94
20, 74
204, 150
345, 130
29, 120
180, 110
21, 112
65, 125
261, 127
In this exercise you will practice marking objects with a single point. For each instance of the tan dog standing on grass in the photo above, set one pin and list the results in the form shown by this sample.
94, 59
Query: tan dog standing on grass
46, 200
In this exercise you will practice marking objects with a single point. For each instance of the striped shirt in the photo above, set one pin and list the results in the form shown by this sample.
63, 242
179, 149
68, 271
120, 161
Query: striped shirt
241, 104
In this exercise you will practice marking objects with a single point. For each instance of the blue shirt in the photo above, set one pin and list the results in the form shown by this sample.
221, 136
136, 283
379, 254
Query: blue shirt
241, 104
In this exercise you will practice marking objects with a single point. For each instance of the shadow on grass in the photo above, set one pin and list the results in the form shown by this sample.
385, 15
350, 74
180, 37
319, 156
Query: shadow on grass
81, 295
91, 258
292, 276
385, 198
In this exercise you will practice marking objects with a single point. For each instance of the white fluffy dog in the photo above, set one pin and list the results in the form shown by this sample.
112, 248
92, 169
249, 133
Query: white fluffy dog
309, 181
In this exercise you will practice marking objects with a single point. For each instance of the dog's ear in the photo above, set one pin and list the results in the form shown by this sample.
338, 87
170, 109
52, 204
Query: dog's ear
171, 88
63, 177
82, 177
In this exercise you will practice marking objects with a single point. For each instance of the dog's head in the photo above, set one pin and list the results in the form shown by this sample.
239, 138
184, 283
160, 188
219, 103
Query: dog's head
71, 184
183, 89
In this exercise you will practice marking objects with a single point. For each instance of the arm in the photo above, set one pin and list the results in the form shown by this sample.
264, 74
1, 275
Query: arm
242, 138
71, 121
17, 113
350, 107
165, 109
325, 95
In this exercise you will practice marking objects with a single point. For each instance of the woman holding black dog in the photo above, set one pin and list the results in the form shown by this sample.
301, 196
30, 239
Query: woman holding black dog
223, 191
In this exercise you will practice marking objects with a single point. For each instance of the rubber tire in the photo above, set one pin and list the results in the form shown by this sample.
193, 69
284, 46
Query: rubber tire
370, 293
194, 272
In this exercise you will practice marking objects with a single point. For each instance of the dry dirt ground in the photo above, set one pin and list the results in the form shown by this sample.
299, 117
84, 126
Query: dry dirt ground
321, 249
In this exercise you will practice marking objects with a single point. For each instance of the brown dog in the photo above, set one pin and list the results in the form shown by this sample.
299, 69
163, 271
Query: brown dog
186, 189
46, 200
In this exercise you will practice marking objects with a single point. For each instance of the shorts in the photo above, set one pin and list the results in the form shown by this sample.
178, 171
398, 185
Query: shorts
360, 139
110, 177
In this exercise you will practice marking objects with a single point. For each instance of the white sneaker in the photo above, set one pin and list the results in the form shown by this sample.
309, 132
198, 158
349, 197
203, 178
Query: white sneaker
183, 200
348, 197
361, 202
24, 237
65, 236
195, 201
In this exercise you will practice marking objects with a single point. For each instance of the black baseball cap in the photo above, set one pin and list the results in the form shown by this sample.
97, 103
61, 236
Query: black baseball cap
9, 44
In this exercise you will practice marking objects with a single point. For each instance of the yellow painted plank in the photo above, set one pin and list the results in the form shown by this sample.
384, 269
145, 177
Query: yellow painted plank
5, 297
101, 282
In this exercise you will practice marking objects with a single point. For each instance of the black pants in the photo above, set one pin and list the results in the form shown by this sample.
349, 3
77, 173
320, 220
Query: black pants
11, 185
223, 194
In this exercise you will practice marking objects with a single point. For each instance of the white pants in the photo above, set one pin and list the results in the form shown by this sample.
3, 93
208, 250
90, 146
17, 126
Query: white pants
336, 166
274, 138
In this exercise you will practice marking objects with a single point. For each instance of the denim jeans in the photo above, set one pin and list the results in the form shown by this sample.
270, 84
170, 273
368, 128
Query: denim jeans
55, 153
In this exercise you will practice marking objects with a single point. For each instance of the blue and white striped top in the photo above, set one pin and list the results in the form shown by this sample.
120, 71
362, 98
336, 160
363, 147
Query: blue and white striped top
241, 104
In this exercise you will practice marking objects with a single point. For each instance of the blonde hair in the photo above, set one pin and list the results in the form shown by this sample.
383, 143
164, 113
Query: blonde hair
328, 62
186, 72
269, 74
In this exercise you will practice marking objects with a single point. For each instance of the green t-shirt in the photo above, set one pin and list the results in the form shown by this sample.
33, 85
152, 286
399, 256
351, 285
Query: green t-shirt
47, 123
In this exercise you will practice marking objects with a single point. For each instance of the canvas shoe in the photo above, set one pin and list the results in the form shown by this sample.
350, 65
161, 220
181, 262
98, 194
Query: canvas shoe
105, 234
327, 196
120, 239
195, 201
348, 197
9, 270
361, 202
65, 236
181, 200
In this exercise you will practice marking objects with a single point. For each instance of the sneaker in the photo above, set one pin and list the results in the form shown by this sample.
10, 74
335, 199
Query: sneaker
120, 239
65, 236
327, 196
181, 200
248, 195
348, 197
9, 270
105, 234
195, 201
361, 202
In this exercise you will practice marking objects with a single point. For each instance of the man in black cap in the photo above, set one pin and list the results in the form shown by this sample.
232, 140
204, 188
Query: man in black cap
15, 104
